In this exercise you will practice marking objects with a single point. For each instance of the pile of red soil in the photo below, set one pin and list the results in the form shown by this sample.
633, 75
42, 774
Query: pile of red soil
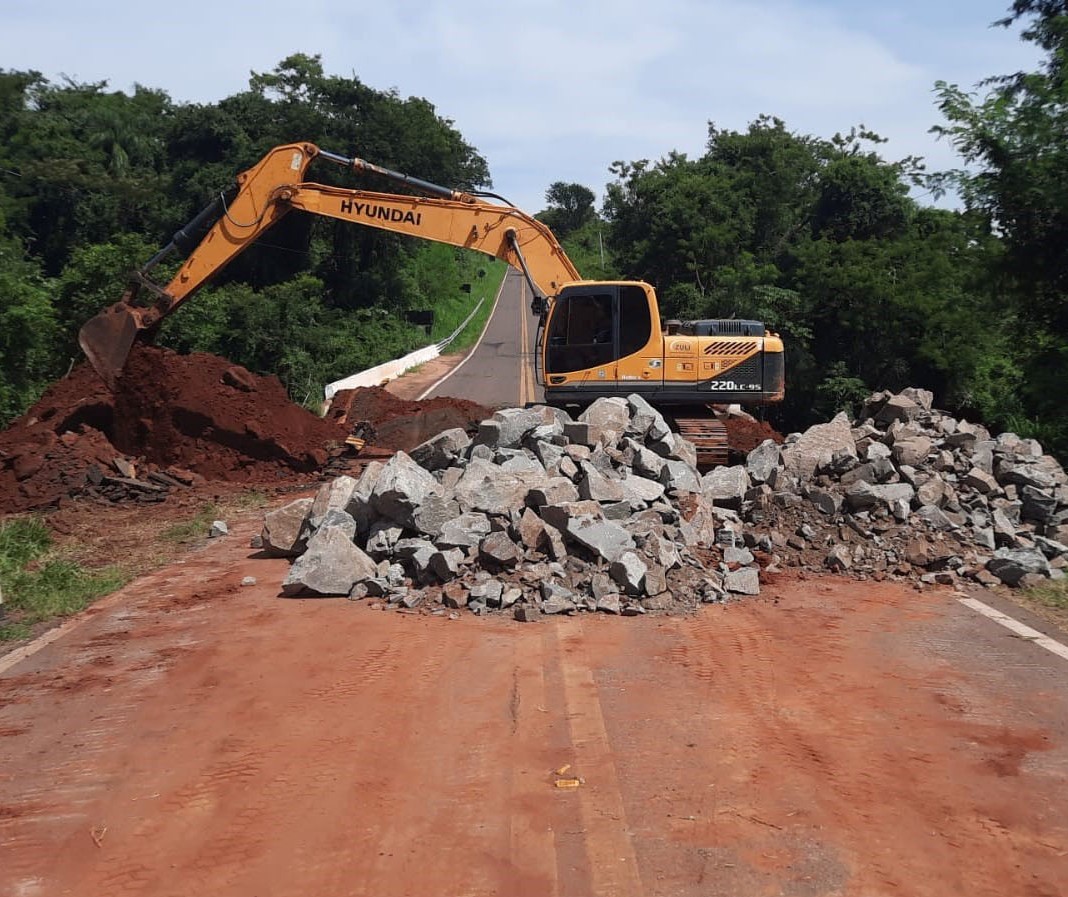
401, 425
745, 434
203, 413
196, 412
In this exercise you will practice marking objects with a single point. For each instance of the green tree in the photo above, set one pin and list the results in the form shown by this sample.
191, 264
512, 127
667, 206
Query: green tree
820, 240
1015, 138
28, 331
570, 207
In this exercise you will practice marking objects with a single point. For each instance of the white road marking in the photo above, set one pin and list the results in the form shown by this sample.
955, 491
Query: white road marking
1016, 626
474, 348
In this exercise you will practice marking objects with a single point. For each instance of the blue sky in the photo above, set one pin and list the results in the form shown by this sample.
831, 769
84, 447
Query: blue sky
557, 90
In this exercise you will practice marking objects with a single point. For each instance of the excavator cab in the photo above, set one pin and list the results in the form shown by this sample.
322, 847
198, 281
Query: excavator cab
599, 336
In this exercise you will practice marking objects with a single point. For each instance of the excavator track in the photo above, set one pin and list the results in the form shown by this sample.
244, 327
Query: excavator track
708, 435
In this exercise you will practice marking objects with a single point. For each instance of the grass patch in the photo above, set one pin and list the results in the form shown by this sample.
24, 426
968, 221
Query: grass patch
251, 500
193, 529
197, 527
1053, 594
39, 584
469, 335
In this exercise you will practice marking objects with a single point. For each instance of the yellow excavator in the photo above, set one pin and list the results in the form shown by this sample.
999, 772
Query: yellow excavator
595, 338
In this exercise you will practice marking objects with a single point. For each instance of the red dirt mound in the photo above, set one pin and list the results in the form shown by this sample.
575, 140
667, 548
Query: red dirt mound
202, 412
744, 435
400, 425
197, 412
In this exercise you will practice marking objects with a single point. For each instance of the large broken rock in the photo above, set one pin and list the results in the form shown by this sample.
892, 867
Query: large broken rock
1011, 566
401, 489
762, 462
895, 408
608, 414
441, 451
332, 565
333, 494
434, 514
646, 422
537, 535
641, 490
680, 476
604, 538
508, 426
726, 486
745, 581
912, 451
485, 487
817, 445
498, 552
283, 528
360, 507
595, 486
629, 571
464, 531
863, 495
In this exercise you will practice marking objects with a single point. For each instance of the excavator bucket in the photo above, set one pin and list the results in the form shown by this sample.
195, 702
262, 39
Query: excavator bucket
107, 339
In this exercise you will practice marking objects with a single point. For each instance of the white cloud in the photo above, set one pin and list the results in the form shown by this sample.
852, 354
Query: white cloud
556, 90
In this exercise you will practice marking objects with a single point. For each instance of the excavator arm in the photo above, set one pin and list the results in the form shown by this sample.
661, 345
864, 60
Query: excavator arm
272, 188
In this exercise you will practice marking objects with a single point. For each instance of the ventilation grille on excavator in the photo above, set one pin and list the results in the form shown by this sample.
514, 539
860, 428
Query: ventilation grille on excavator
729, 347
749, 371
728, 327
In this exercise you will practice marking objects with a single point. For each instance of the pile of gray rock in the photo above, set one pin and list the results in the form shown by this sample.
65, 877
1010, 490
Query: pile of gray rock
911, 492
539, 513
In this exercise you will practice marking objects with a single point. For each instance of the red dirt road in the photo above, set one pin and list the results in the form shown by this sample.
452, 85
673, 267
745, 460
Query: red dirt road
198, 737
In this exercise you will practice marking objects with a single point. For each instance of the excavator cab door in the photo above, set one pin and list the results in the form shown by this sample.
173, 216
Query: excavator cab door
582, 336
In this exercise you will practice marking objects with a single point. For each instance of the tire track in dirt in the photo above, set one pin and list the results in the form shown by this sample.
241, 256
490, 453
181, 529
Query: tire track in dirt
85, 774
535, 721
468, 705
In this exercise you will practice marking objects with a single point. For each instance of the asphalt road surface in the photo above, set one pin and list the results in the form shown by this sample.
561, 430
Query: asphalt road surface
500, 371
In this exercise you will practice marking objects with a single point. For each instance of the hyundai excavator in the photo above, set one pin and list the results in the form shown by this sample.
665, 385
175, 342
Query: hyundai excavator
595, 338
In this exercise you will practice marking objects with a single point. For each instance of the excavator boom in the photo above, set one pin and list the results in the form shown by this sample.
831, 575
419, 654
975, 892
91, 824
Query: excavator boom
265, 193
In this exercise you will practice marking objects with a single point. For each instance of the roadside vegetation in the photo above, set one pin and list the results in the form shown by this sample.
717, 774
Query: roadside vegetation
40, 583
472, 277
45, 576
1053, 595
195, 529
1048, 601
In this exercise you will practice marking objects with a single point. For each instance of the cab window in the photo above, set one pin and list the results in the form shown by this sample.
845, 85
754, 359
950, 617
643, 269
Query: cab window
635, 323
581, 333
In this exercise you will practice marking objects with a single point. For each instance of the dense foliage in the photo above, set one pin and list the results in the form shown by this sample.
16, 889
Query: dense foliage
820, 239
